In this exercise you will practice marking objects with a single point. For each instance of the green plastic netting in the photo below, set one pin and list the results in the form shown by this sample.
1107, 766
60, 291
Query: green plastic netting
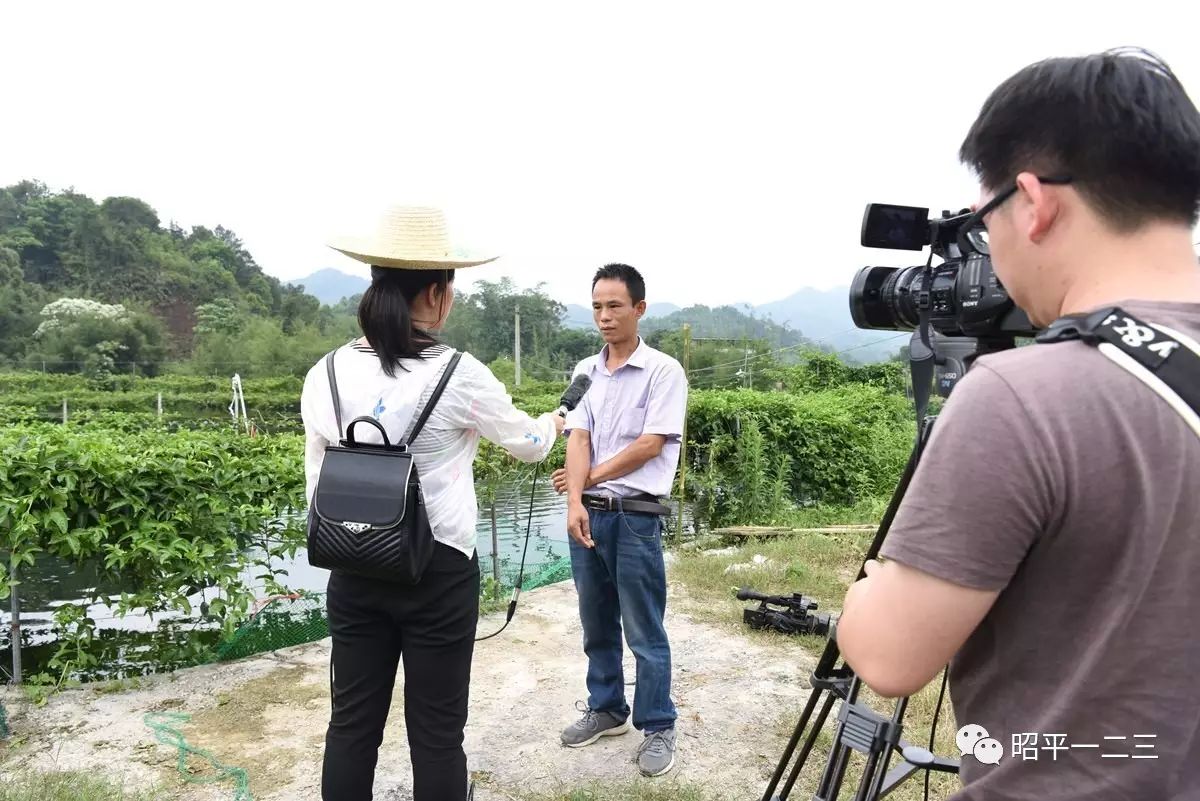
284, 621
549, 573
288, 620
165, 727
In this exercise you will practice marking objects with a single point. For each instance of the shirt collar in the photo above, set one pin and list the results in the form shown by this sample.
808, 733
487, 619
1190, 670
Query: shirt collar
636, 359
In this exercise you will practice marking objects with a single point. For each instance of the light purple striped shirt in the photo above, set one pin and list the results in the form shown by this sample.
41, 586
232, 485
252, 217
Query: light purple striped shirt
646, 395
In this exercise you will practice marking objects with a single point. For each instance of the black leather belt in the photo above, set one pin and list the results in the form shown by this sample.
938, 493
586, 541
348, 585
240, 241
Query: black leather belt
641, 504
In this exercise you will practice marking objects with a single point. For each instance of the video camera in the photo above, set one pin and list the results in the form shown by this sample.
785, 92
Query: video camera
794, 618
963, 296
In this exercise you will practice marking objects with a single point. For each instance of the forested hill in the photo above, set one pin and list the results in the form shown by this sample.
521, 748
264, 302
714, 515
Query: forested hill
64, 244
105, 287
726, 322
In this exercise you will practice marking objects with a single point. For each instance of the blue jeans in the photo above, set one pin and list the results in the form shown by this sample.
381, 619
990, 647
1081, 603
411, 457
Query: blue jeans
623, 581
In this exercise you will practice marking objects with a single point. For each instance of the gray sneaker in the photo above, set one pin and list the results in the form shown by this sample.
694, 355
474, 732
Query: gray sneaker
656, 754
592, 726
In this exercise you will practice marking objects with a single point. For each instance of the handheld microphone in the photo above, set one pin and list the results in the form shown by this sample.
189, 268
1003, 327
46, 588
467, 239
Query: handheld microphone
570, 399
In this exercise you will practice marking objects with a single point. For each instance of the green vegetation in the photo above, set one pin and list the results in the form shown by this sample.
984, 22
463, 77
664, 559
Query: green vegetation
757, 454
160, 516
70, 786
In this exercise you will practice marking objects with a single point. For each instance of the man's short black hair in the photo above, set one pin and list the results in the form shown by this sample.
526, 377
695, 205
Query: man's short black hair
1119, 123
624, 273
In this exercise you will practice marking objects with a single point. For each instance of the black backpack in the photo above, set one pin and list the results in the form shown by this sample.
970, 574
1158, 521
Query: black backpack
368, 515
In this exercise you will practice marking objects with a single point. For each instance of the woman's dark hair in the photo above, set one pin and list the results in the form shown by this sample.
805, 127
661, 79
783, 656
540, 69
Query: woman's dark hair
385, 317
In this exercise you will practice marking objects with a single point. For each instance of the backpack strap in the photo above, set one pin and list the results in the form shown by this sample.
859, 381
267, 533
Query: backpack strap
433, 399
337, 403
1165, 360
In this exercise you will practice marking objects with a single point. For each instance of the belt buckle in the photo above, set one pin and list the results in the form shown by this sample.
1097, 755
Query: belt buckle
598, 502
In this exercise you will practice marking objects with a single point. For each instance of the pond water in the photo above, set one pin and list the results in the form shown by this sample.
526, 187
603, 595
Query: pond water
138, 644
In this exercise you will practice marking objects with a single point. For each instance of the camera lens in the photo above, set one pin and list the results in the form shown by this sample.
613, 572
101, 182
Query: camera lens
883, 298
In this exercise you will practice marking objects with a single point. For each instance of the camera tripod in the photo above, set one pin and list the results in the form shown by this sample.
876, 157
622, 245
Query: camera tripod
860, 728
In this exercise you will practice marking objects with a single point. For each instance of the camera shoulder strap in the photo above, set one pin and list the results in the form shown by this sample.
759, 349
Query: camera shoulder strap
1165, 360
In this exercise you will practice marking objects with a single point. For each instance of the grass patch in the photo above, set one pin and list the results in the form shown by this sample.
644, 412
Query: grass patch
821, 566
867, 511
70, 786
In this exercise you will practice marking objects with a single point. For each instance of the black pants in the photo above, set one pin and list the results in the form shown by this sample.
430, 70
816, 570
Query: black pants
432, 626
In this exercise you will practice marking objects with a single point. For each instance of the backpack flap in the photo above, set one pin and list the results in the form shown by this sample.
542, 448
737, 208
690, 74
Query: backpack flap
363, 486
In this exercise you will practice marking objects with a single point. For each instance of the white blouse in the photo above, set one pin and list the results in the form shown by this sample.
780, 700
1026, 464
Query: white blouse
474, 404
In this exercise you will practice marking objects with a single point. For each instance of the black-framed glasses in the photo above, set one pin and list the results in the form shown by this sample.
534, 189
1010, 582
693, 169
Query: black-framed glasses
973, 233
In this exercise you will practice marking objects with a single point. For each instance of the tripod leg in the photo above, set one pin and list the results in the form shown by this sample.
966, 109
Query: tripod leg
808, 745
820, 684
867, 781
885, 757
835, 773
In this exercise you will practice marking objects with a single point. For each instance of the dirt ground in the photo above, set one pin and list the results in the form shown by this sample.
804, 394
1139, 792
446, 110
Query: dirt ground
267, 715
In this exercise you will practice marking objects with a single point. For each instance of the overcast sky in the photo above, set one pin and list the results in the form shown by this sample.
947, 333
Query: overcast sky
727, 151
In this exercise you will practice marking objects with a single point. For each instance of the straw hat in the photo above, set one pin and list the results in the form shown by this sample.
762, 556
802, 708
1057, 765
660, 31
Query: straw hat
410, 238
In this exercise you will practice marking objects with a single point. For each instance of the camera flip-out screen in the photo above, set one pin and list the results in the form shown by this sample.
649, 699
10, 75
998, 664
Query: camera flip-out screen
895, 227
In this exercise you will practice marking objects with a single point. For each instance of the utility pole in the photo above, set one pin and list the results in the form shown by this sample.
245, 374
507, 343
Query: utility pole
517, 343
16, 625
746, 361
687, 354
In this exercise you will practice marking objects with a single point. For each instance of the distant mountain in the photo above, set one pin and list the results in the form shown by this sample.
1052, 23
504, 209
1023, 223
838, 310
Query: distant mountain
819, 316
329, 285
578, 316
726, 322
824, 316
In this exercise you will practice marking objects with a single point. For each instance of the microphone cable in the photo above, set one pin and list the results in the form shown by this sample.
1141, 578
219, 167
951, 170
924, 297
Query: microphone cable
512, 604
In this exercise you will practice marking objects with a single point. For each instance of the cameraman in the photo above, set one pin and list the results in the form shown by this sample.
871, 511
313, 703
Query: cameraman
1049, 543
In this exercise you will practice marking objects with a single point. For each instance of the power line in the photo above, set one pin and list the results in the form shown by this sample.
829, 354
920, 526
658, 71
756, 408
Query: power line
833, 353
786, 348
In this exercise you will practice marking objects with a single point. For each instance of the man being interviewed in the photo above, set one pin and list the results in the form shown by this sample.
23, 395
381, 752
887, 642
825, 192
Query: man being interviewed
622, 452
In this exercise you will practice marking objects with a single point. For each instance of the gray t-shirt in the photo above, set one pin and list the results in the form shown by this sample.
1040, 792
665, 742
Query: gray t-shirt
1061, 480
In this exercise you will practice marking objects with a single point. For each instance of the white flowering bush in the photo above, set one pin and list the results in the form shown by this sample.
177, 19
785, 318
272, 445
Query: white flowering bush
97, 339
69, 310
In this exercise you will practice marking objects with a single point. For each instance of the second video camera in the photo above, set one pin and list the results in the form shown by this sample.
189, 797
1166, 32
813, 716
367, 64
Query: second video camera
793, 617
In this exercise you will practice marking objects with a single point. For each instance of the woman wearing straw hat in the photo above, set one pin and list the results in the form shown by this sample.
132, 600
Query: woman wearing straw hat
388, 374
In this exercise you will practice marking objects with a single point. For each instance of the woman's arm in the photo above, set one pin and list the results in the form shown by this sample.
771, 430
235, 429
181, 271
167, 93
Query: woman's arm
314, 442
488, 408
314, 455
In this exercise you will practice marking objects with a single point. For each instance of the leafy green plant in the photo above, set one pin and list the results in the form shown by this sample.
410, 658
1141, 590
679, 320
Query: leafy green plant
742, 482
165, 515
843, 445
